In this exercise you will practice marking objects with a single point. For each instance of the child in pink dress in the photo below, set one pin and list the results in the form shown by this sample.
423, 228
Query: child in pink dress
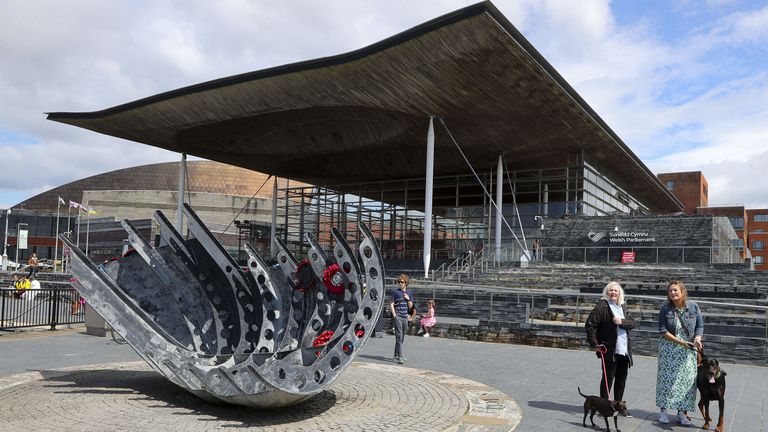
428, 321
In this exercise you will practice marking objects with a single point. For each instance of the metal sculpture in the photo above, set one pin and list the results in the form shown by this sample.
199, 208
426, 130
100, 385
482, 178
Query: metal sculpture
270, 336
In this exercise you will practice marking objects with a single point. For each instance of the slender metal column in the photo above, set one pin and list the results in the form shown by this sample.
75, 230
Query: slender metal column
182, 186
273, 228
285, 223
56, 239
5, 242
499, 207
546, 200
428, 197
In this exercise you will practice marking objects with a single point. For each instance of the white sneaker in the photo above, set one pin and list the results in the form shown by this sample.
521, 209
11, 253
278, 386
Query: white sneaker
426, 334
663, 417
683, 419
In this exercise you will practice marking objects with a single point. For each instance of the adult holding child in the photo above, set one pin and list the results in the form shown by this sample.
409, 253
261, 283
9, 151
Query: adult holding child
607, 330
681, 327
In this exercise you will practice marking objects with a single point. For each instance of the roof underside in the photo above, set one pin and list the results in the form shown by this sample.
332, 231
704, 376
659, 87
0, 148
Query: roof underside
363, 116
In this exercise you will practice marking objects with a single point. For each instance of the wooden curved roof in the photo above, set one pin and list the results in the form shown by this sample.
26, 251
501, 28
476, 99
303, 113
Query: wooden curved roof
362, 116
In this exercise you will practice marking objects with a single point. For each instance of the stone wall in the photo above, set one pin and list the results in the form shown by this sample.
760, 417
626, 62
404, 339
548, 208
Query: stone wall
653, 238
534, 319
730, 349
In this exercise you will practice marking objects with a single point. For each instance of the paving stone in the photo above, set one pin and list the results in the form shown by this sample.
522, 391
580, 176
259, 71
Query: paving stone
131, 397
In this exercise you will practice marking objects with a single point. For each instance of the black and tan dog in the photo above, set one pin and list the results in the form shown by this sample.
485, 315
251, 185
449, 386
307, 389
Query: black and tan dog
710, 380
606, 408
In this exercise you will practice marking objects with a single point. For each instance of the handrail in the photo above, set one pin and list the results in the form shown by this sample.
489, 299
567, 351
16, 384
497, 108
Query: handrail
37, 307
733, 252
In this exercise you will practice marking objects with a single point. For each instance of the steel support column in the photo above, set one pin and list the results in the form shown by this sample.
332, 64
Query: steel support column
273, 228
499, 207
428, 196
182, 186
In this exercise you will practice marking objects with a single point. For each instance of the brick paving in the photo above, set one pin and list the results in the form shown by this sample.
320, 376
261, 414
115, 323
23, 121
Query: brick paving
131, 397
542, 381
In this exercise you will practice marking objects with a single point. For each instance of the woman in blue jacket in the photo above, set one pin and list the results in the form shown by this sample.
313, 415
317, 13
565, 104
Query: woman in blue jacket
681, 327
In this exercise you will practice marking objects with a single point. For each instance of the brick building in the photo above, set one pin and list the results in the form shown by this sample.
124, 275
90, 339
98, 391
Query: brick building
751, 225
690, 188
758, 237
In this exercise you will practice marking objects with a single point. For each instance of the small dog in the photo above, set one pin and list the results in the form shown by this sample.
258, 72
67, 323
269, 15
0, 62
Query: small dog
710, 380
606, 408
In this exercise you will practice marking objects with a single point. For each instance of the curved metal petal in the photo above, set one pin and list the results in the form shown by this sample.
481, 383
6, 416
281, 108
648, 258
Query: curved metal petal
232, 335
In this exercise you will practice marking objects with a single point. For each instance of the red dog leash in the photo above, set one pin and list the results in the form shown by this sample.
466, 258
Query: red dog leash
603, 350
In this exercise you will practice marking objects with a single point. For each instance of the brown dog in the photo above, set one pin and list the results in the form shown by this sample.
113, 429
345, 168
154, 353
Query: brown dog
606, 408
710, 380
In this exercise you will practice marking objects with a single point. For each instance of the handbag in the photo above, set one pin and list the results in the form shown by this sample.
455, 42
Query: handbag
685, 328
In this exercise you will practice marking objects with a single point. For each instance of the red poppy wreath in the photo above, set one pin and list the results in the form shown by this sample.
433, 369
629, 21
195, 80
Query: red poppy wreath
333, 279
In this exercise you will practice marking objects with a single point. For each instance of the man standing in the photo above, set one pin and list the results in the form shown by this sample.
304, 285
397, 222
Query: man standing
32, 265
401, 303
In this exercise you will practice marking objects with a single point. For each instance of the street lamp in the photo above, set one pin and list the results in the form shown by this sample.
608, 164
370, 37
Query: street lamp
539, 218
5, 240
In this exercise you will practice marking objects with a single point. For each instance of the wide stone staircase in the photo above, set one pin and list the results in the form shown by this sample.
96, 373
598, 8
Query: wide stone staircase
546, 304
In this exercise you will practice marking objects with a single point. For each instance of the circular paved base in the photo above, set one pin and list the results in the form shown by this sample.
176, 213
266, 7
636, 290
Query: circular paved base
131, 397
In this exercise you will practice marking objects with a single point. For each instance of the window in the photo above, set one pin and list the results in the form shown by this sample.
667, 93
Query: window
737, 243
757, 244
757, 230
761, 218
670, 185
757, 259
737, 222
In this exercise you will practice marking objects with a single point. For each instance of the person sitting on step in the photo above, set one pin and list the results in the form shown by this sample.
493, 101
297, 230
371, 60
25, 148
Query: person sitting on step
428, 321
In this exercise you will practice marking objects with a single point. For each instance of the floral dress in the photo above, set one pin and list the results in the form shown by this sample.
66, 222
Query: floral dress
676, 373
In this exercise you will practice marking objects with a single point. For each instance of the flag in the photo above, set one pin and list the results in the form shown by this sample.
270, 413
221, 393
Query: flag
91, 211
61, 201
73, 204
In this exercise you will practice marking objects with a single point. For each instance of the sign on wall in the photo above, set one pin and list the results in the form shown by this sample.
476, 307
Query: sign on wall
622, 236
23, 239
628, 257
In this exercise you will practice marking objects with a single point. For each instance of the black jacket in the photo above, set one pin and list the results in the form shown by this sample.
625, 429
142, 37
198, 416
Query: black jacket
601, 329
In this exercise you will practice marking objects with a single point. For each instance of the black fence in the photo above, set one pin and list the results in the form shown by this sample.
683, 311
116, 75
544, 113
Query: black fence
44, 307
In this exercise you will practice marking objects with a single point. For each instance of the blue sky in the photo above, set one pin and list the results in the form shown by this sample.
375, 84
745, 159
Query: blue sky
683, 83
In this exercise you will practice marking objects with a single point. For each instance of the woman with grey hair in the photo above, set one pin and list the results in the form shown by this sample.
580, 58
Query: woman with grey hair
607, 329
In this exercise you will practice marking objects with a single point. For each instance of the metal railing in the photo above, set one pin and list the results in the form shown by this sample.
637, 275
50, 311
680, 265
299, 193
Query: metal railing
417, 254
670, 254
465, 264
546, 303
44, 307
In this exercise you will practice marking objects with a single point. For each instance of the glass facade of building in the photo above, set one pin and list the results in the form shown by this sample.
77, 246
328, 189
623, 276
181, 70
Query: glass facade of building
463, 216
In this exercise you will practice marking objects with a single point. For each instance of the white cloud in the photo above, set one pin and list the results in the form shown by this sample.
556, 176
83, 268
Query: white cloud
695, 103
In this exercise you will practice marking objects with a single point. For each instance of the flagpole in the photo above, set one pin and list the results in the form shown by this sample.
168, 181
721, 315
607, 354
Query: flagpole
87, 228
77, 242
56, 239
69, 236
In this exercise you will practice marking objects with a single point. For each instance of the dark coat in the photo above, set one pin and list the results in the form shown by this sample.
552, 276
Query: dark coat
601, 329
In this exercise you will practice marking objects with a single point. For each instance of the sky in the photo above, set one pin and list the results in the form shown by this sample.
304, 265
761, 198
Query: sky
684, 83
